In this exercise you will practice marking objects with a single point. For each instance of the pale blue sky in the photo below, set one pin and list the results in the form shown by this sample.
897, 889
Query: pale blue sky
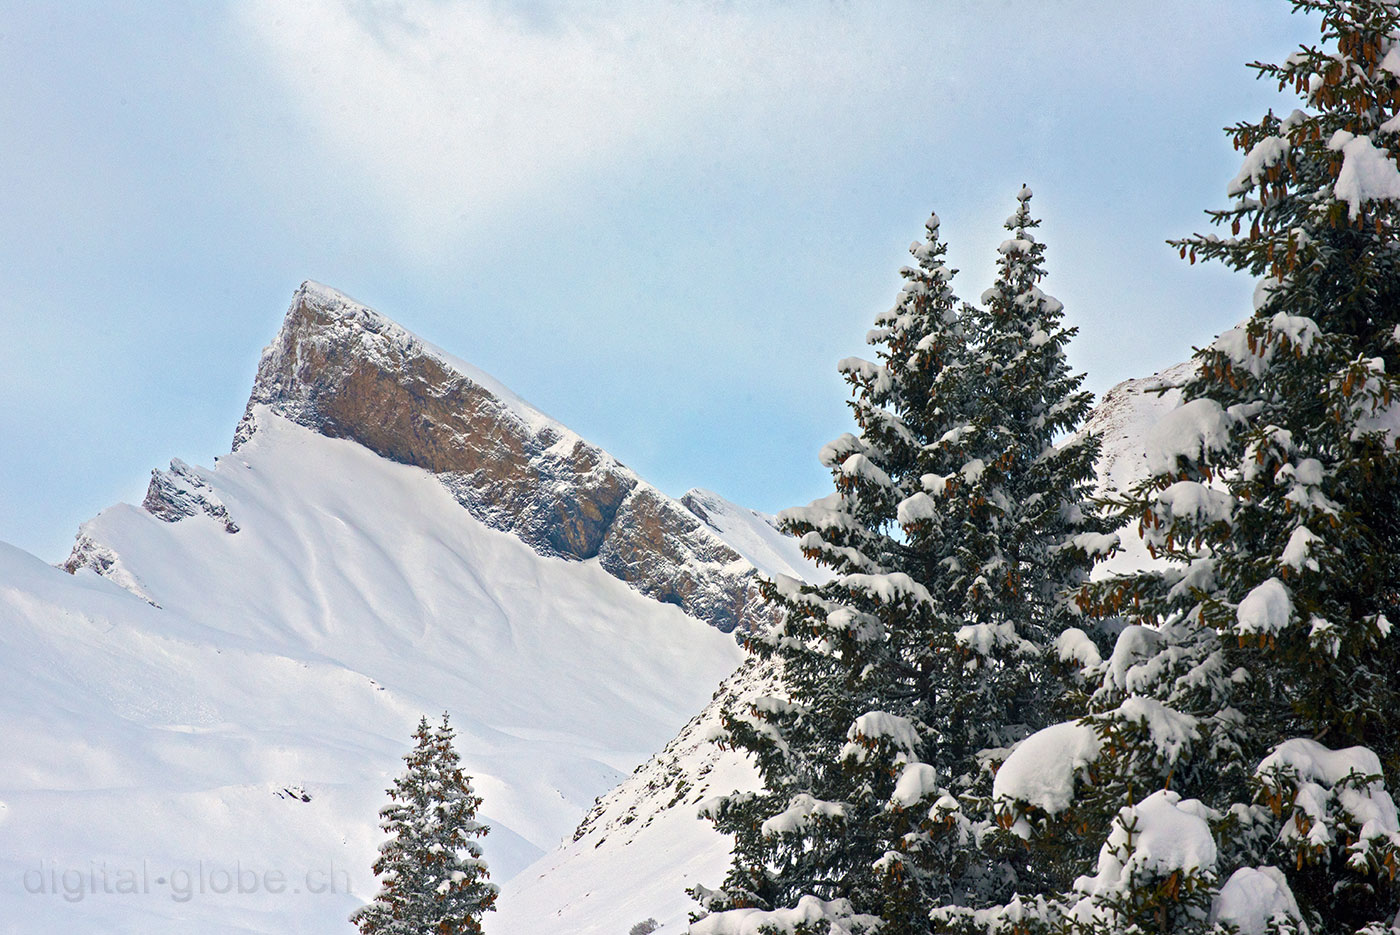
661, 222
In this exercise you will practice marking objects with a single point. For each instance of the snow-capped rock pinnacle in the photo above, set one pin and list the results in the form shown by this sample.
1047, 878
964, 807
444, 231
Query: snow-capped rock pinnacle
345, 371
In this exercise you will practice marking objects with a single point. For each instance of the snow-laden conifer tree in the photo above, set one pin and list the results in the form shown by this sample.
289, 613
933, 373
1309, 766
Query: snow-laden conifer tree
1028, 532
1238, 746
952, 531
431, 874
1029, 535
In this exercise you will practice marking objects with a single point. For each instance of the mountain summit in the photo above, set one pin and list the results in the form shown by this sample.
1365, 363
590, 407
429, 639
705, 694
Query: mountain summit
343, 370
228, 675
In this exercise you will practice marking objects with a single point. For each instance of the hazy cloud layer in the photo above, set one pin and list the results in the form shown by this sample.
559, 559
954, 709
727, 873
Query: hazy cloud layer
453, 109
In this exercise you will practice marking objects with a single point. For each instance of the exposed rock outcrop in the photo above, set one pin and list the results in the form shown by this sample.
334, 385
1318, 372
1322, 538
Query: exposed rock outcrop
180, 492
93, 555
674, 558
345, 371
172, 495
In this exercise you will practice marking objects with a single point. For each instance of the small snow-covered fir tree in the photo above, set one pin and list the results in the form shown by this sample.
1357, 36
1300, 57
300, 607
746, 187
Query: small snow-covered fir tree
432, 878
954, 529
1252, 697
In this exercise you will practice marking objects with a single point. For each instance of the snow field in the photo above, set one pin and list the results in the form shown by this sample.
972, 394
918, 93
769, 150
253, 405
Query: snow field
292, 659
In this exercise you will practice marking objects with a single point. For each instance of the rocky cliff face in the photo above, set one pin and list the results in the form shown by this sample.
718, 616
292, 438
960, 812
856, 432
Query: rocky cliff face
345, 371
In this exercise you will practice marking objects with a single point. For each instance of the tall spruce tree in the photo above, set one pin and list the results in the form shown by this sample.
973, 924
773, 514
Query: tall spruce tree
1244, 730
953, 532
432, 878
1028, 532
1030, 536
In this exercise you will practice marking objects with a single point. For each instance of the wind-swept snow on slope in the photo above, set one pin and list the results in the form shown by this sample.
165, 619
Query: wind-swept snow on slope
294, 657
1123, 418
642, 844
753, 535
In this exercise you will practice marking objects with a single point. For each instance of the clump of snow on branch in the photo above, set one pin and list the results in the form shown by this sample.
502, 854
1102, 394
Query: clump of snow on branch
1263, 155
1190, 432
1161, 835
801, 811
1169, 730
1296, 554
1136, 644
1195, 502
874, 727
1074, 645
1252, 898
1368, 173
1042, 769
1336, 796
916, 782
1265, 610
983, 638
805, 916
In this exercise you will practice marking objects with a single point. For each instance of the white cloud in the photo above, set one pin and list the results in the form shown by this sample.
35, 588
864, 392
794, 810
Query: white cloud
452, 110
450, 117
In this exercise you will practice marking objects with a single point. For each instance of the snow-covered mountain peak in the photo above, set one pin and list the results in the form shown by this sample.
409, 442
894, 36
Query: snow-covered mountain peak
231, 669
343, 370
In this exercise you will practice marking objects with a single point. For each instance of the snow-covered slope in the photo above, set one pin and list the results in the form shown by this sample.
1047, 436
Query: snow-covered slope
296, 654
1122, 419
752, 534
641, 845
222, 689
